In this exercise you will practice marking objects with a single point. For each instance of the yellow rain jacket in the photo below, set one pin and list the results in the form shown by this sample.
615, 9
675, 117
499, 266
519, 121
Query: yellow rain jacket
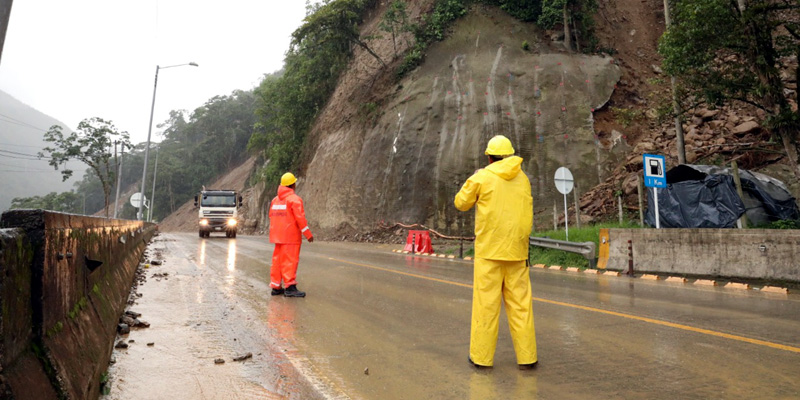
502, 222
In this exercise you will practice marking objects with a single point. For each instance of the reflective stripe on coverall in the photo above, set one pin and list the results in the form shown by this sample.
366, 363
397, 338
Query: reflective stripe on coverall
287, 222
503, 222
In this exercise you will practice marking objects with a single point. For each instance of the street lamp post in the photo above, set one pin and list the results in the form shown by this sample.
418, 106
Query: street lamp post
149, 131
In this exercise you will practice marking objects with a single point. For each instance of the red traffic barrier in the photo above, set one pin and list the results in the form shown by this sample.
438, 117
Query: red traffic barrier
418, 242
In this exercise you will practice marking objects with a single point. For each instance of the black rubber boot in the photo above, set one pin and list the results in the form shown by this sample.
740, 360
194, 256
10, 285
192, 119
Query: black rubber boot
524, 367
477, 366
292, 291
277, 292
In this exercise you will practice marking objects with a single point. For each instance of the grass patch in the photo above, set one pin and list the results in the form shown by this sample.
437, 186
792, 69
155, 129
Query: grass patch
105, 384
540, 255
625, 116
452, 247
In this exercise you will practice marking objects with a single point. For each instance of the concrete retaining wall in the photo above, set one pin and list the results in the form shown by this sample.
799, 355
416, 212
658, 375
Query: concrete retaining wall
59, 306
762, 254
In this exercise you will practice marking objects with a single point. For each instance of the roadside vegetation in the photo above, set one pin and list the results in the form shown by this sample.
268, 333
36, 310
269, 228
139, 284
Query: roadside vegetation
289, 102
550, 257
69, 202
591, 233
574, 16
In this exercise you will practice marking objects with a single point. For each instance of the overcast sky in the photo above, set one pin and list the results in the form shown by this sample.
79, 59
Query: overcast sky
85, 58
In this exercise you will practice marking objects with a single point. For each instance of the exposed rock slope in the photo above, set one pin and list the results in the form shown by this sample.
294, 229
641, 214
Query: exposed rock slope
405, 161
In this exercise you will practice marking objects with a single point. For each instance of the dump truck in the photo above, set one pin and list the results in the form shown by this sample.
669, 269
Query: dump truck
217, 212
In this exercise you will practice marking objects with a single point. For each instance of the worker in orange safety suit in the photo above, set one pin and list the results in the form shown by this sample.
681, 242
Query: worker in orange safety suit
287, 225
501, 193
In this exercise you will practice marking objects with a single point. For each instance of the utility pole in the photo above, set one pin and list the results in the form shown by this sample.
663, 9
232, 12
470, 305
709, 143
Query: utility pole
153, 192
119, 175
577, 206
676, 105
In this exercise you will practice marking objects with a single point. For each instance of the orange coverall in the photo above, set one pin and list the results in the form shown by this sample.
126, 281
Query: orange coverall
287, 222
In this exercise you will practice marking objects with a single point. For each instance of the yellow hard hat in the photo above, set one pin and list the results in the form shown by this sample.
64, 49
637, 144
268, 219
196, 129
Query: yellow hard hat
288, 179
499, 146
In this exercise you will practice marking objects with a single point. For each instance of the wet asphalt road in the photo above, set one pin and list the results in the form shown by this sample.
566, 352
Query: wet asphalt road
380, 325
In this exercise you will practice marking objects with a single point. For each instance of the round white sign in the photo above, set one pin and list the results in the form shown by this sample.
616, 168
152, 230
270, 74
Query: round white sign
136, 199
563, 180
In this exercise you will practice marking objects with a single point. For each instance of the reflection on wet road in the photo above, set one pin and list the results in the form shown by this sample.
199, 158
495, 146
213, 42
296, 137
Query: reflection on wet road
379, 325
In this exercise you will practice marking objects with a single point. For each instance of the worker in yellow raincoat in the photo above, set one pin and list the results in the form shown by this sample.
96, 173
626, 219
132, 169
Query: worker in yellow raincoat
503, 222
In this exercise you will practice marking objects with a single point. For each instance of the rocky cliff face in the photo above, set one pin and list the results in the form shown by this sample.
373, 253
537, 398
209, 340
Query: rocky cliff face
398, 151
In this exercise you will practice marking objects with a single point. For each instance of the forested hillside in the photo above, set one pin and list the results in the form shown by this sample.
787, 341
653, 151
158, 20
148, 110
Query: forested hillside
194, 149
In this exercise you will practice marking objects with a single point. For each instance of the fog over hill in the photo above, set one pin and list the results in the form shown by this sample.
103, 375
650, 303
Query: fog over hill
22, 174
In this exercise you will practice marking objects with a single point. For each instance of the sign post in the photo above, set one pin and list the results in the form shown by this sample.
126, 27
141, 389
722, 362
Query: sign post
137, 199
564, 184
655, 176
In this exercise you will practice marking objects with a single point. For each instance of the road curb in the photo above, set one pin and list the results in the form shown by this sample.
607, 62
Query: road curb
432, 255
649, 277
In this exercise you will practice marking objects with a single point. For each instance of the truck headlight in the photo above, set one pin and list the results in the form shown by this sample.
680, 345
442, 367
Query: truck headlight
204, 222
231, 222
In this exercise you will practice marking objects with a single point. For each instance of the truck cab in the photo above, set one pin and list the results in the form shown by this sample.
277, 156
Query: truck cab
218, 212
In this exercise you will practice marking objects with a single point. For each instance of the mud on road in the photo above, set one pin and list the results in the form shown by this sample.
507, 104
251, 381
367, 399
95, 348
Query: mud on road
202, 307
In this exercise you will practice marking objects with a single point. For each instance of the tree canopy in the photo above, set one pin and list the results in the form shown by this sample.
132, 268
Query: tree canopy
69, 202
735, 50
90, 143
289, 102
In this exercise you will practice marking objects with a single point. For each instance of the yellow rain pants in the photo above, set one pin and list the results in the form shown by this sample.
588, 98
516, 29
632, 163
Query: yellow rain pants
495, 280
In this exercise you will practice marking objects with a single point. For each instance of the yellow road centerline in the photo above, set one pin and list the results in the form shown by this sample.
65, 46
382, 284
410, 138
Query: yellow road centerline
677, 326
403, 273
601, 311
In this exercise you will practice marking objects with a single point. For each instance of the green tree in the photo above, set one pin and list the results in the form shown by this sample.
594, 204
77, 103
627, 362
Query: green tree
69, 202
525, 10
395, 21
335, 21
575, 17
432, 28
726, 50
289, 102
90, 143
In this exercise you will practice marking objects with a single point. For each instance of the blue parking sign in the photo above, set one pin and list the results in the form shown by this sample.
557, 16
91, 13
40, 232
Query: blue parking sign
655, 174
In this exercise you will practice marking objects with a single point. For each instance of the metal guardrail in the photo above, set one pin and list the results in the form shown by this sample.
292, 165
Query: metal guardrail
586, 249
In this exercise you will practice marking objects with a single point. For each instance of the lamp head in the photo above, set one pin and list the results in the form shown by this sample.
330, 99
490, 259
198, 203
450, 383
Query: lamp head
194, 64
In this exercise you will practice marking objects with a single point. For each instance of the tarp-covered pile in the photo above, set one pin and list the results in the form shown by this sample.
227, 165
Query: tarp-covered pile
704, 196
